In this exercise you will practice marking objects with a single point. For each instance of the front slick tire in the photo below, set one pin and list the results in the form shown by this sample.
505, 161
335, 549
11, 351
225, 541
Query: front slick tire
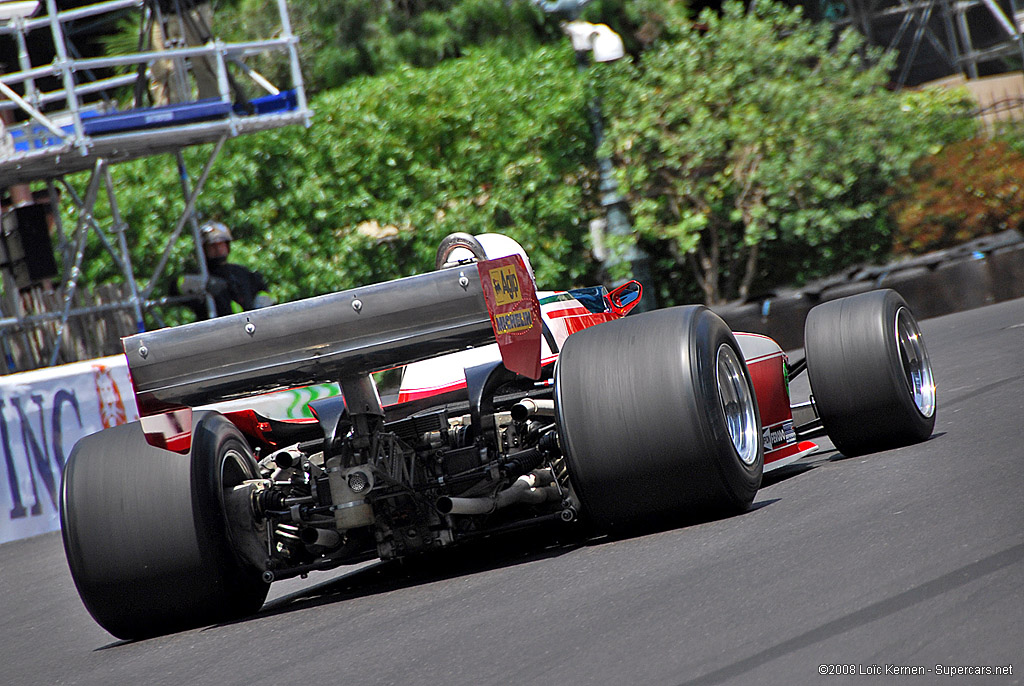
869, 372
145, 534
658, 419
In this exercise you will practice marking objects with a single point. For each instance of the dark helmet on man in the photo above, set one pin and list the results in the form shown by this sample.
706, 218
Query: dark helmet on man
215, 232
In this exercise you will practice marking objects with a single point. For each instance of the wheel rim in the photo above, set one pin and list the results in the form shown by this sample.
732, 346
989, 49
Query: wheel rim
737, 404
233, 472
917, 368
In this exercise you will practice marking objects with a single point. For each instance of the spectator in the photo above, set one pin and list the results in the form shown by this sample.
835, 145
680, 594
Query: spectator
234, 288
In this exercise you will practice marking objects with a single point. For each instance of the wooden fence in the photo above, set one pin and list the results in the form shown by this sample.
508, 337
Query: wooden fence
31, 325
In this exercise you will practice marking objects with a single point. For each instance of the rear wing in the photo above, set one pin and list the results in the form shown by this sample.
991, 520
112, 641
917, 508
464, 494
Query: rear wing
338, 336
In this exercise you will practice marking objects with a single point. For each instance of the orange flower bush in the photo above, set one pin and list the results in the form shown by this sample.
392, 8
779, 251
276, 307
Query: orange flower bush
968, 189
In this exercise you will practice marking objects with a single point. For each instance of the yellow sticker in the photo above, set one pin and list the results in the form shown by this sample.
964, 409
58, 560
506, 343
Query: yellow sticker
506, 285
513, 322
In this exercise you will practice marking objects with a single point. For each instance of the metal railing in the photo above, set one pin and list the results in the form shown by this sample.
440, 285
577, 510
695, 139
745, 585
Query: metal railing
55, 140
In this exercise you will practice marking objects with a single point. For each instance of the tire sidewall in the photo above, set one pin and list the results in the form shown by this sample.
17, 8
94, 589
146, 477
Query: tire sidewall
857, 377
145, 534
642, 424
220, 450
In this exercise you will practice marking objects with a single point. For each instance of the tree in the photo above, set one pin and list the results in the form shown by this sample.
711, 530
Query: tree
759, 127
343, 39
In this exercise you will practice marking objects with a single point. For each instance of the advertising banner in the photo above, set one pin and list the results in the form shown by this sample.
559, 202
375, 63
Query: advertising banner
44, 412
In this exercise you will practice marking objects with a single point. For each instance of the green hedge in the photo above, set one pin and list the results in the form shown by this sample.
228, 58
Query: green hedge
390, 166
758, 125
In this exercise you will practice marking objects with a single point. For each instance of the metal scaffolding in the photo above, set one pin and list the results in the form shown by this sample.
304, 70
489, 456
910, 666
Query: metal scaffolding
65, 130
937, 38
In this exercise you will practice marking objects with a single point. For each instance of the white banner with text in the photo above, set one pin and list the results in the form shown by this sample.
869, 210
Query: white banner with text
44, 412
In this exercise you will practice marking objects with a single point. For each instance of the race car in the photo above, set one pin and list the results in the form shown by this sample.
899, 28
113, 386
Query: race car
516, 409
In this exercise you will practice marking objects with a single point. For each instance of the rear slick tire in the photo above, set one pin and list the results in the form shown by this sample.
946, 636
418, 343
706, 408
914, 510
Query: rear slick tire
145, 533
658, 419
869, 372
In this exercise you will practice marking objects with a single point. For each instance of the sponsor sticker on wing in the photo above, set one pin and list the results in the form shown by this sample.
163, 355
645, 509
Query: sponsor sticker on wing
515, 313
506, 285
513, 322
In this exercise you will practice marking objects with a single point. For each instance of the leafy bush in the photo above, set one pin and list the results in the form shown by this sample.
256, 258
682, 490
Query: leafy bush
343, 39
966, 190
757, 136
390, 166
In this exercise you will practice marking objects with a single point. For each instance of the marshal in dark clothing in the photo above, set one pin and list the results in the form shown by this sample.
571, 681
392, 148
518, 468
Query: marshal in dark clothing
234, 288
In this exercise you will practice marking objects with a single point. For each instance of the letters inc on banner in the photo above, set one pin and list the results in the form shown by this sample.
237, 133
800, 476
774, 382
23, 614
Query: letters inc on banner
42, 414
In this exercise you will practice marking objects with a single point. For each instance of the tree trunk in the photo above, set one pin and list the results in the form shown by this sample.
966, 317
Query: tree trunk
750, 271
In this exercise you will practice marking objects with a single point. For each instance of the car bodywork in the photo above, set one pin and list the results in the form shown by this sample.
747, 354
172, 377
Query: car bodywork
516, 409
566, 312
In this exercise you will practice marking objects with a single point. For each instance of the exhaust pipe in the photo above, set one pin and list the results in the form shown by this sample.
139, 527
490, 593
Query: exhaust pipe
528, 407
523, 490
322, 538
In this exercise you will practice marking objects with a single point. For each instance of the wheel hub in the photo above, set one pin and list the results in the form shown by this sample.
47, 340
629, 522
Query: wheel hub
917, 367
737, 404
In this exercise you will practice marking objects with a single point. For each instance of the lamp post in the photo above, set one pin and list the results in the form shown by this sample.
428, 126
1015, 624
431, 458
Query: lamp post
602, 44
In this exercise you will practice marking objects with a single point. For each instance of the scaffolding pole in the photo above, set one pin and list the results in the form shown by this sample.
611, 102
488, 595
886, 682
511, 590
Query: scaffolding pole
953, 41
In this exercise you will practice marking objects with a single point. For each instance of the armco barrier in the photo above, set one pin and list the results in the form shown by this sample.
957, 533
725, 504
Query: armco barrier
44, 412
978, 273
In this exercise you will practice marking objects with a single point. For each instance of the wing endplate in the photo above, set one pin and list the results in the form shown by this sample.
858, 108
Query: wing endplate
514, 311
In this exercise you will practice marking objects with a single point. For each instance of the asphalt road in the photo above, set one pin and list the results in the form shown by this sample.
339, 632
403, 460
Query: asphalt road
912, 557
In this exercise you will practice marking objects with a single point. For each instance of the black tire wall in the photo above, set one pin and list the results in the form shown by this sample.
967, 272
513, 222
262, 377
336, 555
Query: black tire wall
144, 532
640, 421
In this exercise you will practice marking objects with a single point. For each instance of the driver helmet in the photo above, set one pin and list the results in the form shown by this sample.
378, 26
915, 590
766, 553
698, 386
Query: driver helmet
215, 232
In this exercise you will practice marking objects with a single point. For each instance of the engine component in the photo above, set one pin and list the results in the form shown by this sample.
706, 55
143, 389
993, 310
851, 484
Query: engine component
528, 460
320, 539
528, 407
351, 509
529, 488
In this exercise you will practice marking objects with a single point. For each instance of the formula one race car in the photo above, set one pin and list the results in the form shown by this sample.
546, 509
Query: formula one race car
516, 409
